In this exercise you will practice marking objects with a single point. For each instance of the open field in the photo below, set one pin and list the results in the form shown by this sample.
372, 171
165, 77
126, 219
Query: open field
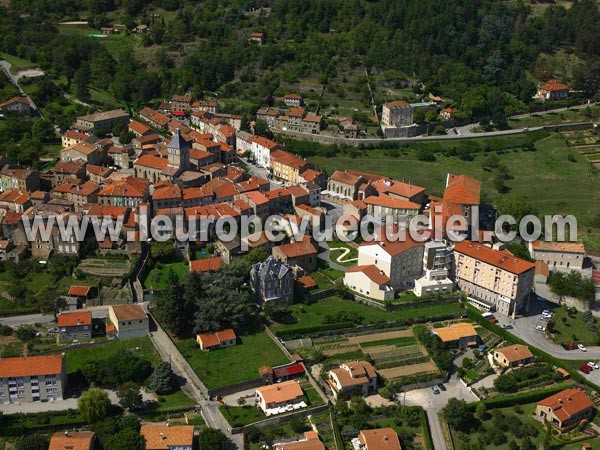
17, 64
379, 337
572, 328
157, 278
560, 185
234, 364
109, 267
313, 314
556, 118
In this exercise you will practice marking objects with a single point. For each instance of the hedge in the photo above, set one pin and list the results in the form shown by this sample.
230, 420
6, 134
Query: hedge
426, 430
300, 332
524, 398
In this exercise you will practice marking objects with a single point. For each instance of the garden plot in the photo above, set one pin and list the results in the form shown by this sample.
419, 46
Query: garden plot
381, 336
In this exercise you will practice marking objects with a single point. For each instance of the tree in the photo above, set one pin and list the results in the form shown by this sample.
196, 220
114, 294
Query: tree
162, 380
129, 395
160, 251
514, 206
458, 414
506, 383
212, 439
93, 405
32, 442
480, 411
572, 284
126, 439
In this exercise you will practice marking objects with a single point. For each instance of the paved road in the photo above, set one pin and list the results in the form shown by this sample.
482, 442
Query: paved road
5, 67
524, 328
98, 312
556, 110
194, 386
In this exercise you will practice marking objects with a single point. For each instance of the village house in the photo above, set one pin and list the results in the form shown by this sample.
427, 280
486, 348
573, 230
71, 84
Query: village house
101, 121
280, 397
154, 118
377, 439
462, 334
73, 440
80, 194
98, 174
353, 378
32, 378
310, 441
23, 180
463, 191
218, 339
370, 281
81, 292
397, 114
494, 276
448, 113
515, 355
272, 281
301, 253
74, 326
292, 100
71, 137
287, 167
90, 153
385, 206
565, 409
11, 252
558, 255
396, 189
206, 265
261, 150
552, 91
166, 437
15, 200
121, 156
139, 129
257, 36
129, 192
18, 104
130, 321
68, 171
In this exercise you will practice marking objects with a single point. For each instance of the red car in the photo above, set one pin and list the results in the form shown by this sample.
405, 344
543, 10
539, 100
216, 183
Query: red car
585, 369
493, 320
569, 346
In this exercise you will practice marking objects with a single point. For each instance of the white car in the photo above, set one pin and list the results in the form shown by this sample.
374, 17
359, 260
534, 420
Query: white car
581, 347
593, 365
540, 328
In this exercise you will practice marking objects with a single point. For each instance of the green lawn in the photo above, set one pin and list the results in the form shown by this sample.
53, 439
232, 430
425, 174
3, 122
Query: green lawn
176, 401
157, 277
572, 328
234, 364
560, 185
573, 116
310, 315
398, 342
238, 416
17, 64
77, 358
349, 260
114, 43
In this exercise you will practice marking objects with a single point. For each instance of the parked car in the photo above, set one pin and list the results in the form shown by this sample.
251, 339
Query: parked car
569, 346
593, 365
585, 369
507, 326
482, 348
435, 390
540, 328
581, 347
442, 387
494, 320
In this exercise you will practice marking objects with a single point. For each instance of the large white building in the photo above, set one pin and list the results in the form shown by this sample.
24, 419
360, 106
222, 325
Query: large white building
437, 263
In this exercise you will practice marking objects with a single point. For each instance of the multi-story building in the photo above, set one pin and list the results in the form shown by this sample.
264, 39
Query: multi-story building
74, 326
130, 321
343, 187
397, 114
493, 275
129, 192
437, 263
272, 281
401, 261
385, 206
19, 104
354, 378
24, 180
280, 397
90, 153
558, 255
32, 378
104, 121
287, 167
80, 194
261, 150
302, 254
370, 281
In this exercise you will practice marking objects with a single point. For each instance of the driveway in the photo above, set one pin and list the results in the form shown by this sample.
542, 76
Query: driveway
524, 328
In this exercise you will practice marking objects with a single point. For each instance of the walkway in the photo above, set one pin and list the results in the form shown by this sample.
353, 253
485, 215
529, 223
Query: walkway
341, 258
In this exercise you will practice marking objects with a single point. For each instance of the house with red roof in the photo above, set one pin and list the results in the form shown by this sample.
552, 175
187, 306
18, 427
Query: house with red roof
301, 253
32, 378
206, 265
552, 90
493, 276
261, 150
369, 281
74, 326
73, 440
218, 339
18, 104
81, 292
128, 192
566, 409
355, 377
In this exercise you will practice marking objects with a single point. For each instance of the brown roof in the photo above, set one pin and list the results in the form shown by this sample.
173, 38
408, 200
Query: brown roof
206, 264
390, 202
17, 99
129, 187
553, 85
541, 268
281, 392
74, 319
214, 339
163, 437
138, 127
79, 290
70, 440
345, 177
31, 365
380, 439
514, 353
372, 272
397, 104
264, 142
462, 189
397, 187
155, 162
563, 247
567, 403
354, 373
128, 312
72, 167
310, 442
502, 259
295, 249
455, 331
167, 192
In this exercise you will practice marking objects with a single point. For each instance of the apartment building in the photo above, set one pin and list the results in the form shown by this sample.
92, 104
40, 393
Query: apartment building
493, 275
32, 378
558, 255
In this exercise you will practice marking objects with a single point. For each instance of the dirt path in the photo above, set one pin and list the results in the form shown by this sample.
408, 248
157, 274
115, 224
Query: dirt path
380, 336
342, 258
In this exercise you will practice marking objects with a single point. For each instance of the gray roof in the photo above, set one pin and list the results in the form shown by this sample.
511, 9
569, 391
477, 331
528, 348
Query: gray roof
271, 268
177, 141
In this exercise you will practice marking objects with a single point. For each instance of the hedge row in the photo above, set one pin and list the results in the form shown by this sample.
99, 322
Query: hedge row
302, 332
426, 430
524, 398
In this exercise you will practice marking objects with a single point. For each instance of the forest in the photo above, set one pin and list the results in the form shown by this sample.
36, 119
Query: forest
480, 53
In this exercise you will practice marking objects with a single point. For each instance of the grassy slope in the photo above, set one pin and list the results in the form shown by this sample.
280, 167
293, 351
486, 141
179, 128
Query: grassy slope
545, 177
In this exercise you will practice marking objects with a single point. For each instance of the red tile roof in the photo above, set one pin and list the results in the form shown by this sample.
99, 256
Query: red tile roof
553, 85
31, 365
502, 259
154, 162
390, 202
74, 319
345, 177
139, 127
567, 403
206, 264
69, 440
79, 290
400, 188
463, 190
372, 272
129, 187
295, 249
